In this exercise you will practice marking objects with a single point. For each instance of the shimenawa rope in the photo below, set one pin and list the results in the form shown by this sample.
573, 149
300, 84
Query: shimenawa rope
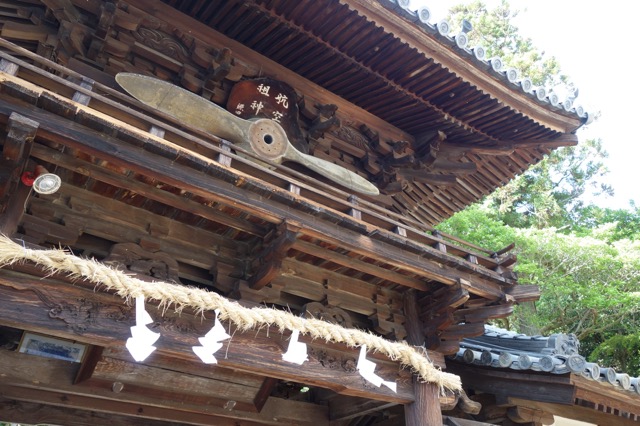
244, 318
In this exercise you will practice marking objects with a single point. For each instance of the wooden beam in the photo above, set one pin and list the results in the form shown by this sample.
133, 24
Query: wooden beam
20, 133
359, 265
171, 384
103, 175
28, 301
126, 408
15, 156
521, 414
425, 410
517, 384
507, 147
25, 375
15, 205
37, 413
577, 412
606, 395
276, 209
346, 408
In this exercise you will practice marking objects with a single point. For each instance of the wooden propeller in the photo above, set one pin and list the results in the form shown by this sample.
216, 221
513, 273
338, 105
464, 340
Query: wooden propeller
264, 137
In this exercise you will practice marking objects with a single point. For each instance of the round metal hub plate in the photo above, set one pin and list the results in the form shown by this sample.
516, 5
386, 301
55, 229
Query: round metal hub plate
268, 139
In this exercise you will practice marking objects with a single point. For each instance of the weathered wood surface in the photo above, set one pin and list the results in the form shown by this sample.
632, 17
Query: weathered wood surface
60, 131
594, 413
39, 413
556, 389
123, 41
341, 409
50, 381
419, 235
56, 308
425, 409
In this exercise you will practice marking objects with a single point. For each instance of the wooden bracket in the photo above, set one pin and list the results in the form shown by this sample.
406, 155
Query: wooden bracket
272, 255
324, 121
21, 132
107, 15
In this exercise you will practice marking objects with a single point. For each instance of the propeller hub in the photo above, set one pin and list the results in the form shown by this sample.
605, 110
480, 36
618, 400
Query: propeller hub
268, 139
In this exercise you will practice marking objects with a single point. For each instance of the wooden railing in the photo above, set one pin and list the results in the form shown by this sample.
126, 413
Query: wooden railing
108, 100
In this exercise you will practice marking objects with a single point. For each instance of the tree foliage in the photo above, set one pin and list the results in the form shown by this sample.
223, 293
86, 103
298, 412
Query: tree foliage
494, 29
589, 286
586, 259
551, 193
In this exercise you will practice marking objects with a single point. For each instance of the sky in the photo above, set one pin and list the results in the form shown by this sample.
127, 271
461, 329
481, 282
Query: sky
596, 46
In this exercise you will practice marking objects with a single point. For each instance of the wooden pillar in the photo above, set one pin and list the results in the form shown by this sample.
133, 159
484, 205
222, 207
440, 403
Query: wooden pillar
425, 411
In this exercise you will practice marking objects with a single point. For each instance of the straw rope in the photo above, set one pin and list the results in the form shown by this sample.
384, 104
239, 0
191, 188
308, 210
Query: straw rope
201, 300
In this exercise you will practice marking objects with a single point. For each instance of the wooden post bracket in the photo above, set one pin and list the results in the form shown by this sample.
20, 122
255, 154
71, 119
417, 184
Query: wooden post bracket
270, 259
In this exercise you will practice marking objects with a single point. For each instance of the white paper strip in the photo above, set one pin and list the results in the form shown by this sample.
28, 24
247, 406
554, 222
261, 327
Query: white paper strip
211, 342
140, 345
366, 369
297, 351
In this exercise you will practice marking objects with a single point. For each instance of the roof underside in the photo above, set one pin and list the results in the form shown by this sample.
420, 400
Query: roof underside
336, 45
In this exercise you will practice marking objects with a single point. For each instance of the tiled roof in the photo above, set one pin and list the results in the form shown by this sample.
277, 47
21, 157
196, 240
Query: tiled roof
442, 29
555, 354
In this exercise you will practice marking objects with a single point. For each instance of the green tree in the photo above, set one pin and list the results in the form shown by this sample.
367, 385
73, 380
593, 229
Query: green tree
609, 224
551, 192
494, 29
589, 286
589, 273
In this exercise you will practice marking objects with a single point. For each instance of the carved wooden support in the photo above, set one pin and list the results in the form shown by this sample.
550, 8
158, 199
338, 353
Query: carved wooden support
393, 161
63, 10
458, 332
71, 36
21, 132
324, 121
329, 314
105, 22
427, 148
388, 319
271, 257
373, 136
250, 297
144, 263
220, 67
462, 401
371, 164
482, 314
439, 301
389, 182
529, 415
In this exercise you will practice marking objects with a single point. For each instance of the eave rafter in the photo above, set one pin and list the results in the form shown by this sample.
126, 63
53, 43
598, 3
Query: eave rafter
408, 32
387, 83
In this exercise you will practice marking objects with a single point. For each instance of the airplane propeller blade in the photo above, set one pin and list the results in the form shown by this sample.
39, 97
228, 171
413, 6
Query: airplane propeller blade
264, 137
